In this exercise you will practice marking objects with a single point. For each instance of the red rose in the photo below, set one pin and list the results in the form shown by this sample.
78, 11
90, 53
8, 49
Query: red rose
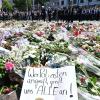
82, 79
7, 90
76, 33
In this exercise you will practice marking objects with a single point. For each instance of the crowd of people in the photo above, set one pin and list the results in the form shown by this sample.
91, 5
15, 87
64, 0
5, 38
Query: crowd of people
64, 14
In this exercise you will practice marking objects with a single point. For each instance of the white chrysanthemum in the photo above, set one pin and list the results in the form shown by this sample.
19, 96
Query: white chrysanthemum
29, 55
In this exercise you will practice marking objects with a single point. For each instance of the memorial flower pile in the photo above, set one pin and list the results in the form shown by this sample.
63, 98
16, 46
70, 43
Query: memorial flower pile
53, 45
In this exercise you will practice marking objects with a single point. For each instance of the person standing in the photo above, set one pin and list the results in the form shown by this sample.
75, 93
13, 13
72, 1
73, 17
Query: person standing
92, 13
63, 14
66, 14
71, 14
59, 14
32, 14
38, 15
87, 13
80, 14
3, 16
49, 14
98, 13
43, 13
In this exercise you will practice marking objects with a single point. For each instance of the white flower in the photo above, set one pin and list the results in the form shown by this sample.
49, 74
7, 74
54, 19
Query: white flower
33, 51
3, 42
29, 55
33, 56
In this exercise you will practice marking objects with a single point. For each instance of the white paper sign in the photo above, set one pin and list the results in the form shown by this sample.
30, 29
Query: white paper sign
50, 84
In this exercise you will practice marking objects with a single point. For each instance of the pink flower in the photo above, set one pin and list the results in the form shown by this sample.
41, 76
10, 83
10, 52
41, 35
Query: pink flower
53, 29
52, 25
63, 25
9, 66
18, 33
98, 50
40, 33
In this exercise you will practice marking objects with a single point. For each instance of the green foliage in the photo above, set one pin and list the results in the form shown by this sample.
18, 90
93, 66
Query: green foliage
92, 86
97, 54
2, 71
33, 39
54, 47
29, 2
22, 5
98, 38
8, 88
93, 80
1, 62
7, 5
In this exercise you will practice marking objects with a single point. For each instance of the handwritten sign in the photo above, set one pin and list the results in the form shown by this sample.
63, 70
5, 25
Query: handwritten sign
49, 84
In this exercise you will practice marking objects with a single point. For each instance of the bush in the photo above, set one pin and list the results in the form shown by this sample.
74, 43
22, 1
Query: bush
7, 5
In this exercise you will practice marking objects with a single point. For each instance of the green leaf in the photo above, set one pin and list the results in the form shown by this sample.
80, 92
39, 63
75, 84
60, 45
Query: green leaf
90, 85
93, 80
0, 75
98, 89
6, 4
